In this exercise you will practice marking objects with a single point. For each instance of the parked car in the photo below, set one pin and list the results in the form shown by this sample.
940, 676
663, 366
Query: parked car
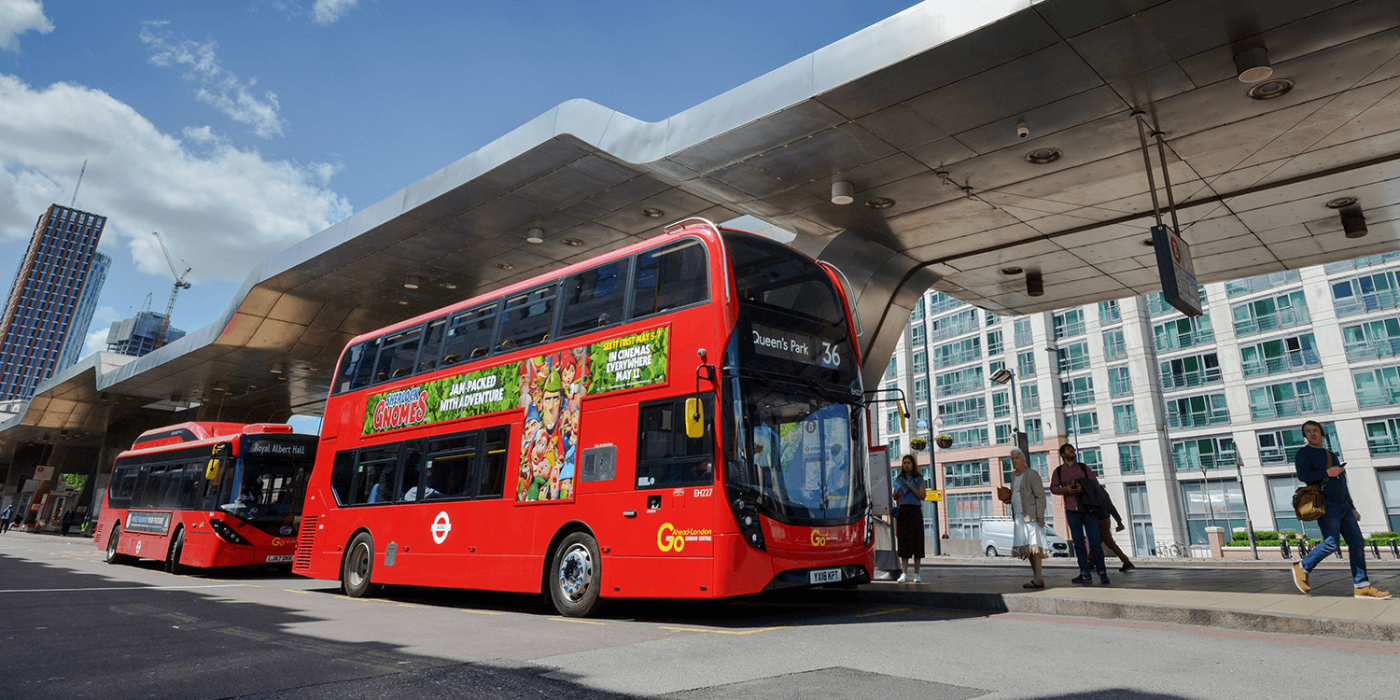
997, 538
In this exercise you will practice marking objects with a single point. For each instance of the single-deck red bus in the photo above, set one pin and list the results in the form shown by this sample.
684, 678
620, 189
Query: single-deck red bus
201, 495
535, 439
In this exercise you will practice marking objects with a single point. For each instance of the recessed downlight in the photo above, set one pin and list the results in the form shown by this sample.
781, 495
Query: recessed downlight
1011, 271
1270, 89
880, 203
1341, 202
505, 266
653, 213
575, 242
1041, 156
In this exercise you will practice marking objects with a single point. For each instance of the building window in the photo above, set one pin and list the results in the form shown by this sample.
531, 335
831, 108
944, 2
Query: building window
1270, 313
892, 422
1259, 283
1288, 399
1377, 387
892, 368
965, 513
1069, 323
1113, 345
1157, 304
1197, 411
1279, 355
968, 438
1390, 494
1140, 519
1109, 312
1125, 419
916, 334
1190, 371
1034, 432
957, 353
1120, 382
1130, 458
963, 474
1073, 357
920, 362
1030, 397
1001, 404
991, 318
953, 325
895, 453
1366, 293
994, 343
1216, 503
1379, 338
1025, 364
1281, 446
969, 410
1082, 423
1217, 452
938, 302
917, 314
1092, 457
1078, 391
1183, 333
1007, 473
1383, 436
1003, 433
921, 390
1022, 329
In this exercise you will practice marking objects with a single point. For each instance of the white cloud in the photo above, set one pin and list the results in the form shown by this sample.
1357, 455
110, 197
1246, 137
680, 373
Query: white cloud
20, 16
221, 209
219, 88
328, 11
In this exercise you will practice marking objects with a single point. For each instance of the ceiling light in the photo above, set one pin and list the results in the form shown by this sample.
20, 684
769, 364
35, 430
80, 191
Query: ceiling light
447, 285
1271, 89
842, 192
401, 302
653, 213
278, 368
535, 235
1341, 202
1035, 286
1041, 156
1011, 271
411, 282
880, 203
220, 387
505, 266
1252, 64
575, 242
1354, 222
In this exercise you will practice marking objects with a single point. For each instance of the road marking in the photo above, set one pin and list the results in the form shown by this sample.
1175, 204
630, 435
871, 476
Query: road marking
117, 588
582, 622
700, 629
293, 590
882, 612
481, 612
409, 605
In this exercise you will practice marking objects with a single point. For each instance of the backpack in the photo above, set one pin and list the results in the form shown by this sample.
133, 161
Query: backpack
1092, 499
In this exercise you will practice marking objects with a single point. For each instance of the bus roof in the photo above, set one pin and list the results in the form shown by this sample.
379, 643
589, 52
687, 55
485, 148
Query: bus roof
195, 431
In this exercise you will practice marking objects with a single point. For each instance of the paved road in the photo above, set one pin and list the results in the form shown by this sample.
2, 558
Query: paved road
72, 627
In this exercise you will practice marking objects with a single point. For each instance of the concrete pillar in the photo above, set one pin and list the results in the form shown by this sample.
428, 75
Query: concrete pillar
1216, 535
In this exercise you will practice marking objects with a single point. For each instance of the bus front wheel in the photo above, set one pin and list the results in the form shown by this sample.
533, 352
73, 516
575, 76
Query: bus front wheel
112, 541
575, 576
172, 558
357, 568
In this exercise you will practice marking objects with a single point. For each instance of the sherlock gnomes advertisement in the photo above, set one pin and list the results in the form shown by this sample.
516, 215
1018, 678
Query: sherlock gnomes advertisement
548, 390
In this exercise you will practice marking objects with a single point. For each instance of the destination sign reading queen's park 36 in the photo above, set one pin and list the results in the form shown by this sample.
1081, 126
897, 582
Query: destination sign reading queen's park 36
626, 362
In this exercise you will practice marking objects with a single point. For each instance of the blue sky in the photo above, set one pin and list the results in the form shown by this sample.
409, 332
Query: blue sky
237, 128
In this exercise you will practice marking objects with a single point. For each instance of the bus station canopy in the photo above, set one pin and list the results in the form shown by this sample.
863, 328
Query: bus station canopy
921, 114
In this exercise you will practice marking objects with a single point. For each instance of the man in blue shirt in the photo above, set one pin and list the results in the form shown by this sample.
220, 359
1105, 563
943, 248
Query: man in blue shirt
1315, 464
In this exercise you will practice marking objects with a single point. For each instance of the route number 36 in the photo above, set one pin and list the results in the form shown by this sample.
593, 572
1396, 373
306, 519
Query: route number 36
831, 355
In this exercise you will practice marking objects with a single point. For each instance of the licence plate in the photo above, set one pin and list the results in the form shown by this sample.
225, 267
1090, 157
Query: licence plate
824, 576
279, 558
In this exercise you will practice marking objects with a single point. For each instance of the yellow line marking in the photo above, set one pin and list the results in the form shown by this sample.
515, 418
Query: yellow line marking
582, 622
481, 612
408, 605
293, 590
698, 629
252, 585
882, 612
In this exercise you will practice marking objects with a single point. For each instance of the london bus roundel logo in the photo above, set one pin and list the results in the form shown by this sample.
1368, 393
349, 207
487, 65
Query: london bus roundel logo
441, 526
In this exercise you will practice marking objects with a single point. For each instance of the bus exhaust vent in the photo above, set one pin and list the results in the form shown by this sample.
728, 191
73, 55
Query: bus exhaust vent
306, 541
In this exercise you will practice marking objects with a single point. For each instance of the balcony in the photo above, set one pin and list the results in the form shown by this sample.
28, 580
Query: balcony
1279, 365
1177, 341
1297, 406
1115, 350
973, 416
1379, 396
961, 326
962, 387
1120, 387
1283, 318
1197, 419
1186, 463
956, 358
1386, 347
1362, 303
1183, 380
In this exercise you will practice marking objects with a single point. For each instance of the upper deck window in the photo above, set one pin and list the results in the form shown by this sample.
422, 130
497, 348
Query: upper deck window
770, 274
594, 298
469, 335
527, 318
670, 277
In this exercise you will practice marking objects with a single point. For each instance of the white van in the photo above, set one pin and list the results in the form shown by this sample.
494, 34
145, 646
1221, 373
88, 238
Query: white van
997, 538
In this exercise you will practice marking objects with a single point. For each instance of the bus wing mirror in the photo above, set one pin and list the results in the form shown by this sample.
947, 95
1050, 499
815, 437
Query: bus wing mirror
211, 471
694, 419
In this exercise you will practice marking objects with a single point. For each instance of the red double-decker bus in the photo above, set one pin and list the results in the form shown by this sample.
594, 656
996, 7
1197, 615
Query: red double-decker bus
681, 418
201, 495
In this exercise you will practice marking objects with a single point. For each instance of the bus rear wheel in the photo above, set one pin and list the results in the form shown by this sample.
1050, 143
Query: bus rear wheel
172, 558
575, 576
357, 568
112, 541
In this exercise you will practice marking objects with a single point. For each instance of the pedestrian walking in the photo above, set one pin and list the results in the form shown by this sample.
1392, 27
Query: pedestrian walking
6, 516
1106, 536
1316, 464
66, 523
909, 497
1027, 499
1076, 483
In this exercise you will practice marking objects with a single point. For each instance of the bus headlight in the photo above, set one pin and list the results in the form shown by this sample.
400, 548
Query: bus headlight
750, 526
869, 529
228, 534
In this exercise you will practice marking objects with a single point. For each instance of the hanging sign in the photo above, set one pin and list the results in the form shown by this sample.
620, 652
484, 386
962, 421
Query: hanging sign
1178, 274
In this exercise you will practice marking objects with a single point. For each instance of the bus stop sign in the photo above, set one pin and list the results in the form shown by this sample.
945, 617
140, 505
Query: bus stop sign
1178, 274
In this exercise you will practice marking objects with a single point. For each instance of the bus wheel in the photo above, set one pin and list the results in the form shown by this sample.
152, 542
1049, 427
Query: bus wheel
575, 578
357, 567
112, 540
172, 558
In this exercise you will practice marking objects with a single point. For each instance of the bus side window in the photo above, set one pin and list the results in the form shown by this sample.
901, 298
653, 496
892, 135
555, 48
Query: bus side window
594, 298
190, 483
358, 369
490, 471
398, 354
432, 344
449, 465
410, 472
469, 335
527, 318
343, 476
174, 484
669, 278
151, 487
666, 457
374, 477
122, 486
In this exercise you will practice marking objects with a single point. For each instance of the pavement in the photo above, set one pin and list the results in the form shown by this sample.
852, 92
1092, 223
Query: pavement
1241, 595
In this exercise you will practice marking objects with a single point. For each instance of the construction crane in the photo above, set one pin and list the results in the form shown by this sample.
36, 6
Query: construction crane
180, 283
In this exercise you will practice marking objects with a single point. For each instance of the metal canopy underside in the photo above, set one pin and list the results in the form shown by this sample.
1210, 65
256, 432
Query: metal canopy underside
920, 109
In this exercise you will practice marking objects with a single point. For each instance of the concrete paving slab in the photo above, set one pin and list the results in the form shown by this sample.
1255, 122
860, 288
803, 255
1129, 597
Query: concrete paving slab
1353, 609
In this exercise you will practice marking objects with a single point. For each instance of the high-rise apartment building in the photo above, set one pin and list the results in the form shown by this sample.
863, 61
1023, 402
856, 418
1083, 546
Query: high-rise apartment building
82, 317
136, 336
42, 306
1192, 422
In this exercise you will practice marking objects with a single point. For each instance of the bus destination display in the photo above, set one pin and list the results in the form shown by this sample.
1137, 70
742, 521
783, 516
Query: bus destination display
797, 346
